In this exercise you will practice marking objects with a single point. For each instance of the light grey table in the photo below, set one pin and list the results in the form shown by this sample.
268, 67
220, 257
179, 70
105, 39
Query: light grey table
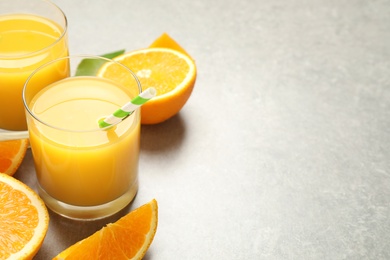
282, 151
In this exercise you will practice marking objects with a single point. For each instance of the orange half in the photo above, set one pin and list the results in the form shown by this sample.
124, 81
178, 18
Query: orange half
170, 72
24, 219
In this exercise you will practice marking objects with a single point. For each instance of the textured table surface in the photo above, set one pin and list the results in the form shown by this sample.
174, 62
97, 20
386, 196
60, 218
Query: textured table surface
282, 151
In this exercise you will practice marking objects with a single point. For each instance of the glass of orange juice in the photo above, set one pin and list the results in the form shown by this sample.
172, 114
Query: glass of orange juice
32, 32
83, 171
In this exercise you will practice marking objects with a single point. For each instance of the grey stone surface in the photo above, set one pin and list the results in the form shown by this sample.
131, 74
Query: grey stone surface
282, 151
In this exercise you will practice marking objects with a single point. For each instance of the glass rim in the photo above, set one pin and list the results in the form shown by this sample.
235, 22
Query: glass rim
37, 52
81, 56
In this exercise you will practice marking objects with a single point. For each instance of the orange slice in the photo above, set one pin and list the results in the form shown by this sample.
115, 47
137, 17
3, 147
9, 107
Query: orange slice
11, 155
170, 72
127, 238
24, 219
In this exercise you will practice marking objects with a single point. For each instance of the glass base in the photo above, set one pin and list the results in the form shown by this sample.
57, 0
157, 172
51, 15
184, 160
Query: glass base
88, 212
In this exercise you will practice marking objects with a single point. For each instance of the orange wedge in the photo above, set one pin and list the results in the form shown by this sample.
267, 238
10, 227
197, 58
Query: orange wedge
24, 219
127, 238
166, 41
11, 155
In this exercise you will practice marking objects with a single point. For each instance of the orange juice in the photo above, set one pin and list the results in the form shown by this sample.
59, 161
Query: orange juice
76, 162
26, 42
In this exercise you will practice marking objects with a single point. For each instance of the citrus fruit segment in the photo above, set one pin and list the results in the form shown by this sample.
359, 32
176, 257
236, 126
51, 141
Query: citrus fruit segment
166, 41
127, 238
12, 154
24, 219
170, 72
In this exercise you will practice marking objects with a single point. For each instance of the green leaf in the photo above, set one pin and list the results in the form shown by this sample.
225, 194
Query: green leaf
89, 67
113, 54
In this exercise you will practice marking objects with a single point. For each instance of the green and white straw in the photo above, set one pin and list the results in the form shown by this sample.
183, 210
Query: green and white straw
128, 108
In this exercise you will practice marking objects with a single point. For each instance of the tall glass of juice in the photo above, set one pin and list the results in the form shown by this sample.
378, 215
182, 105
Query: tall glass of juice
83, 171
32, 33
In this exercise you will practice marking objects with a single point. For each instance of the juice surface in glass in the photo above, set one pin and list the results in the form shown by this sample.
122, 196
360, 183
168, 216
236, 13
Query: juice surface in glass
76, 162
26, 42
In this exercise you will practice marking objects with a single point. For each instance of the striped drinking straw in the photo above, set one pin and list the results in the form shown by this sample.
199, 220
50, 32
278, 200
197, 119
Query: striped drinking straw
128, 108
